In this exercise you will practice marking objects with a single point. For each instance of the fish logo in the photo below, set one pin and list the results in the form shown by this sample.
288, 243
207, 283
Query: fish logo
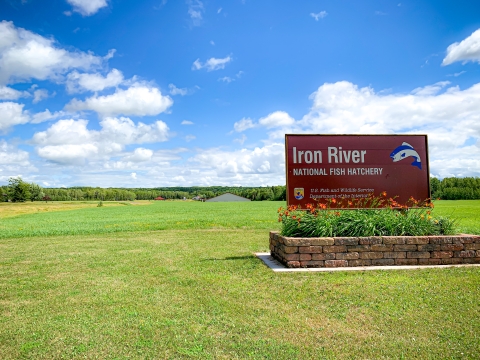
298, 192
404, 151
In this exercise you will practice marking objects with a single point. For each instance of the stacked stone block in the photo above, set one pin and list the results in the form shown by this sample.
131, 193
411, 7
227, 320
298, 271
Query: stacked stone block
375, 250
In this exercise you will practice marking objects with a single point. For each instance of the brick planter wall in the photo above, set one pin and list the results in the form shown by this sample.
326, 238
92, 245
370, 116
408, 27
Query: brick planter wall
375, 250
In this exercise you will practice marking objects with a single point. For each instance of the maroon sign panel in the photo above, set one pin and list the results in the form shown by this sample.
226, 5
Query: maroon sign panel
323, 167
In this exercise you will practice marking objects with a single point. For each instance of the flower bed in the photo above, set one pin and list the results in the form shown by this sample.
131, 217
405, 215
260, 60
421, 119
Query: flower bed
375, 250
370, 216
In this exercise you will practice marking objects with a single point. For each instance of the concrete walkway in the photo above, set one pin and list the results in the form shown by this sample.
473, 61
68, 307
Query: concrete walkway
278, 267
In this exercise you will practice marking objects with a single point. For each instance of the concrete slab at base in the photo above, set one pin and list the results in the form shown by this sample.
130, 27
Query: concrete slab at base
276, 266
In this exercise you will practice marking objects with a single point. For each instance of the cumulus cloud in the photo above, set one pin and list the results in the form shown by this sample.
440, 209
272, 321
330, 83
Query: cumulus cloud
187, 122
244, 124
449, 118
211, 64
71, 142
269, 159
25, 55
139, 155
7, 93
343, 107
12, 114
276, 119
77, 82
46, 116
39, 95
466, 50
65, 132
87, 7
68, 154
138, 100
11, 156
124, 131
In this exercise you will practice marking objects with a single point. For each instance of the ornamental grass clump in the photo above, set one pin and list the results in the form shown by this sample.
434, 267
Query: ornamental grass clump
371, 216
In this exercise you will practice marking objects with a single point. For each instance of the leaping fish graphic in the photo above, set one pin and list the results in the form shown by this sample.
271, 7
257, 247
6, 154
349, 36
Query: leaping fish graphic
404, 151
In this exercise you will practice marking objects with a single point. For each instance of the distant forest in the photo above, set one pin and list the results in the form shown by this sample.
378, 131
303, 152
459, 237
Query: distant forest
18, 190
453, 188
447, 189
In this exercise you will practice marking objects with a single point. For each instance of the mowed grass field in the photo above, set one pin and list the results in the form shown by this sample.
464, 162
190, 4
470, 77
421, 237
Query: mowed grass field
173, 280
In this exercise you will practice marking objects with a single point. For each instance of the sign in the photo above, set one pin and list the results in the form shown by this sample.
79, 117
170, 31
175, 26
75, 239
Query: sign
325, 167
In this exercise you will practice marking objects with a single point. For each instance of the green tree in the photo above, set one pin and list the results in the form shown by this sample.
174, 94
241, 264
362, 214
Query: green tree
19, 190
36, 192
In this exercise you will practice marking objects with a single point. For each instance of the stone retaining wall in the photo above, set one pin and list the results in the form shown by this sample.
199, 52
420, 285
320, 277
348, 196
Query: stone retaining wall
375, 250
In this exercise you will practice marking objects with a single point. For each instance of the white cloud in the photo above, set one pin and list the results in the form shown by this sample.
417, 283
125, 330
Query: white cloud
124, 131
134, 176
269, 159
241, 140
7, 93
65, 132
68, 154
87, 7
457, 74
197, 65
229, 79
12, 114
466, 50
187, 122
342, 107
430, 89
277, 119
449, 118
71, 142
319, 15
25, 55
11, 156
212, 64
226, 79
39, 95
244, 124
177, 91
189, 138
110, 54
138, 100
139, 155
77, 82
195, 11
46, 115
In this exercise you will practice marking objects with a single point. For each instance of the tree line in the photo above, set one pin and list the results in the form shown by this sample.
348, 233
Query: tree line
18, 190
452, 188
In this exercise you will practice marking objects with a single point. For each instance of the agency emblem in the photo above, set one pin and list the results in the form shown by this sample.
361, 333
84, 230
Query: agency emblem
299, 194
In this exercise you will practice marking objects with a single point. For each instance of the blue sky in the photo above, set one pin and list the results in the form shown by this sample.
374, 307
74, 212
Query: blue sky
119, 93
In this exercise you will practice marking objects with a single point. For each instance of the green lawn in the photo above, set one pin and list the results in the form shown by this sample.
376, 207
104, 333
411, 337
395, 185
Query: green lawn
178, 280
466, 212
